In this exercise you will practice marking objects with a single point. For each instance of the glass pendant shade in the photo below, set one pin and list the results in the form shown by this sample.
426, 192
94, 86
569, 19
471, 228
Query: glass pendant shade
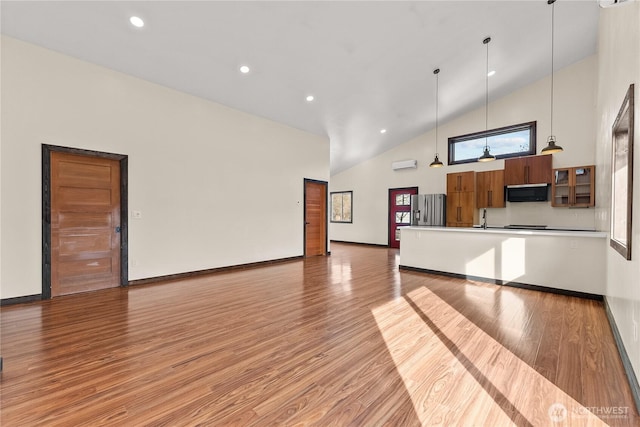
436, 162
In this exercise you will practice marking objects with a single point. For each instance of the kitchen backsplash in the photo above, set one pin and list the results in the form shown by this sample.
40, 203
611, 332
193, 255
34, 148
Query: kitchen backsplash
540, 213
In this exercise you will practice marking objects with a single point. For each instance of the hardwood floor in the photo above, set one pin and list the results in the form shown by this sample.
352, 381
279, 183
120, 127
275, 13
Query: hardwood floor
339, 340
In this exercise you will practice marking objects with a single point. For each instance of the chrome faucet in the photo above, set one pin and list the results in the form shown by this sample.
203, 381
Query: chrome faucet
484, 218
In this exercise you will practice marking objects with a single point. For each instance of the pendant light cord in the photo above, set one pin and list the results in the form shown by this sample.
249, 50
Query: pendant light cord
552, 147
436, 72
553, 6
436, 161
486, 156
486, 100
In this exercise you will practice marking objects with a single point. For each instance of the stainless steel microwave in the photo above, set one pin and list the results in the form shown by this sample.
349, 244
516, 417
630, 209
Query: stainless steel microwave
528, 193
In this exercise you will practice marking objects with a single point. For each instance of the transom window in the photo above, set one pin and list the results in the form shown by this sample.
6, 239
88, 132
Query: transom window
510, 141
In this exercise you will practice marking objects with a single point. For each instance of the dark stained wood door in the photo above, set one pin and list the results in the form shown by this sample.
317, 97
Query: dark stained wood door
399, 212
85, 223
315, 218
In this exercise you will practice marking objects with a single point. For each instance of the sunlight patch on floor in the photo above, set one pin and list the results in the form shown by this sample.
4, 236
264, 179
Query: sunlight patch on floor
456, 373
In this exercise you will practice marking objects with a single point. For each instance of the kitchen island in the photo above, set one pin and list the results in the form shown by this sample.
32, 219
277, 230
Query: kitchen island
565, 260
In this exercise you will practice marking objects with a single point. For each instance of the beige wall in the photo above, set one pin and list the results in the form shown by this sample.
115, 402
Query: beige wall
619, 66
574, 126
215, 186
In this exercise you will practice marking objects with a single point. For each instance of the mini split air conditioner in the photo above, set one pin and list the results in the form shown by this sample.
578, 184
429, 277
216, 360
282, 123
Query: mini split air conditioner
404, 164
610, 3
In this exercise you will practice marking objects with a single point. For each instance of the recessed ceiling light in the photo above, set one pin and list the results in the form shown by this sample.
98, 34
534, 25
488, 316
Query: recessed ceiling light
310, 98
136, 21
491, 73
383, 131
244, 69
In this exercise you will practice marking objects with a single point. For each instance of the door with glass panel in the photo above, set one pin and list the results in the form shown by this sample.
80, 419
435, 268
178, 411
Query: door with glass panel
399, 212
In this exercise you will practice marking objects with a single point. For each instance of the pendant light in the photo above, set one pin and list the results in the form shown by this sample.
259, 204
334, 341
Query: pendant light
486, 156
551, 141
436, 161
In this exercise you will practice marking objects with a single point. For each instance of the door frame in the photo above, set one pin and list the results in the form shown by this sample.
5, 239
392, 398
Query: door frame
389, 209
46, 211
304, 215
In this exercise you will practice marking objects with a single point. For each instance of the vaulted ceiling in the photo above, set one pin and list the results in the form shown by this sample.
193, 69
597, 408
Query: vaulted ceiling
368, 64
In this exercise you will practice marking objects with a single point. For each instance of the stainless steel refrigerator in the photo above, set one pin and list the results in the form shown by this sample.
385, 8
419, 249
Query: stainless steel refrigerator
428, 209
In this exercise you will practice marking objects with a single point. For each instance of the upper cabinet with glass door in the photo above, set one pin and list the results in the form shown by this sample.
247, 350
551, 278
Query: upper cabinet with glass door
573, 187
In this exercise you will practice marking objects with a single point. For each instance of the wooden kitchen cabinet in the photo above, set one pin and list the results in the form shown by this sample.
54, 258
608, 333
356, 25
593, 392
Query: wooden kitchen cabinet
461, 209
528, 170
461, 199
461, 181
490, 189
573, 187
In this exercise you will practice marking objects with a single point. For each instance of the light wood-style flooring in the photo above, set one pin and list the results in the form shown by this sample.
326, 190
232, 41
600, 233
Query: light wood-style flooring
343, 340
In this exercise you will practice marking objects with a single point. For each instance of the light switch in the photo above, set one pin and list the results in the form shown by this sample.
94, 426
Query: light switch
136, 214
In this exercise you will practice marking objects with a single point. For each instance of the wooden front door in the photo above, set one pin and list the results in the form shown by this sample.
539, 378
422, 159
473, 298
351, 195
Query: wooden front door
315, 218
85, 223
399, 212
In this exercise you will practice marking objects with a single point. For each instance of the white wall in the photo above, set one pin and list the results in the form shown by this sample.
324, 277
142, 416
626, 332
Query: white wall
215, 186
619, 66
574, 127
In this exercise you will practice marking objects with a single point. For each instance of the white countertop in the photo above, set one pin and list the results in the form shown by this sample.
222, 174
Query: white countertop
512, 231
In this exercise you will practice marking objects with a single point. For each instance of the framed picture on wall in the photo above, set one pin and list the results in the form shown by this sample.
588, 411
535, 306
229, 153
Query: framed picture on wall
622, 177
341, 204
